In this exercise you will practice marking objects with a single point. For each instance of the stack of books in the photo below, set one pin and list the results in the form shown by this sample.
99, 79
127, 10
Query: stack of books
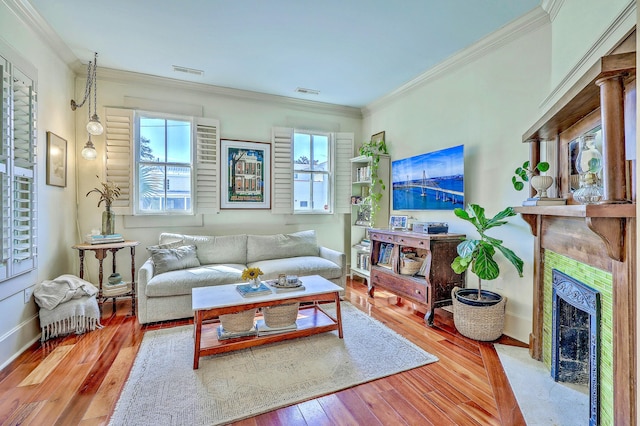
104, 239
223, 334
247, 290
265, 330
113, 290
544, 202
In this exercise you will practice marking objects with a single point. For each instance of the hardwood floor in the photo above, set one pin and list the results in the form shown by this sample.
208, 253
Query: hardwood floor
76, 380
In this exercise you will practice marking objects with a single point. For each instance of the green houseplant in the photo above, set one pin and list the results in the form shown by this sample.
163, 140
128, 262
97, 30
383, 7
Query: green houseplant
524, 173
374, 150
478, 313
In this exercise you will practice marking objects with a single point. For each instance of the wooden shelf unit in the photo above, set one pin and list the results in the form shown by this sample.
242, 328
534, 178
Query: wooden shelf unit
430, 291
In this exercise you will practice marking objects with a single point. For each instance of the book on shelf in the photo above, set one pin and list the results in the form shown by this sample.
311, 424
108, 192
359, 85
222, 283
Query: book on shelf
113, 290
104, 239
247, 290
265, 330
544, 202
223, 334
385, 253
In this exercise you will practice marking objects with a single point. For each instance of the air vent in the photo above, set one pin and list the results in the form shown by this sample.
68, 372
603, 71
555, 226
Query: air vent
186, 70
307, 91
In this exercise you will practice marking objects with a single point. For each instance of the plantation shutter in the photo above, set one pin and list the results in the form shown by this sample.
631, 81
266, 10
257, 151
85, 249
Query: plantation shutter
342, 182
5, 179
282, 170
119, 143
207, 165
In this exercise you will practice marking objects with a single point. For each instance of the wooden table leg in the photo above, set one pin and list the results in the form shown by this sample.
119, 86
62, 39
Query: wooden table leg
338, 315
197, 323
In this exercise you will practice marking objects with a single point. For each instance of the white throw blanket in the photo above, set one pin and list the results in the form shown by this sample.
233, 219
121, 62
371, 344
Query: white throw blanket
51, 293
68, 304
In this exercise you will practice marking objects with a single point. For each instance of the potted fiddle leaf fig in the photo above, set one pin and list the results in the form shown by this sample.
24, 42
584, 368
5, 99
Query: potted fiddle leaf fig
478, 313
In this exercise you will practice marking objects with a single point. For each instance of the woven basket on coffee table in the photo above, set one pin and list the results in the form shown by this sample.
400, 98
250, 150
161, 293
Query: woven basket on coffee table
281, 315
484, 323
238, 322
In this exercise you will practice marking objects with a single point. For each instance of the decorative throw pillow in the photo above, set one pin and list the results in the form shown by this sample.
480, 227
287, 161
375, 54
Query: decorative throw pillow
174, 244
171, 259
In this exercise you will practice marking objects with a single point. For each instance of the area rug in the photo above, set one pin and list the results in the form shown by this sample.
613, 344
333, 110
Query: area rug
163, 388
542, 401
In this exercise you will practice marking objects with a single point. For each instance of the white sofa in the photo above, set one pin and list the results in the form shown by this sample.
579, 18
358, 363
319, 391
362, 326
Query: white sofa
165, 280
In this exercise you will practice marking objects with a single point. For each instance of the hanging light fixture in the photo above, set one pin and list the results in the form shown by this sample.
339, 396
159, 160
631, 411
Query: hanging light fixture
94, 127
89, 151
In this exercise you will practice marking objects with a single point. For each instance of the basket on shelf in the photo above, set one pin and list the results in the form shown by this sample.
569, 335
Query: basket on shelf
280, 315
410, 266
238, 322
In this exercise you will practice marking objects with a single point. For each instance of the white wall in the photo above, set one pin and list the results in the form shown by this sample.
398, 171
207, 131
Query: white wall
19, 325
250, 117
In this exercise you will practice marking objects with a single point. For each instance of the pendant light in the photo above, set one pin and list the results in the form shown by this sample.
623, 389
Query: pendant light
94, 127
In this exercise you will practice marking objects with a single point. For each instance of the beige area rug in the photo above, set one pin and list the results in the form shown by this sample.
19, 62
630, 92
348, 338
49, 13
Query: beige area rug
163, 389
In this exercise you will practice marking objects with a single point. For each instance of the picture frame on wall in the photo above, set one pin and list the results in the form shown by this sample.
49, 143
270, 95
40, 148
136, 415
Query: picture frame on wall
378, 137
245, 175
56, 160
398, 222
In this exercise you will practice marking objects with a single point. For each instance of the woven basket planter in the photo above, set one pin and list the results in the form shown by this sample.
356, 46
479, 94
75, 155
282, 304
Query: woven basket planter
241, 321
281, 315
484, 323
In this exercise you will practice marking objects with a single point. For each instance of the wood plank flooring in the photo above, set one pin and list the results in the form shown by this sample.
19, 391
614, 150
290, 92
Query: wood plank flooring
76, 380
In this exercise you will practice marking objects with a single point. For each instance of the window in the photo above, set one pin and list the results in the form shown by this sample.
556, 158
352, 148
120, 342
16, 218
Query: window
163, 164
17, 170
311, 171
174, 170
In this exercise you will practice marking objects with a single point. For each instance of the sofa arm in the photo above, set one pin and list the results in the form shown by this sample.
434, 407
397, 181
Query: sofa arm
339, 259
145, 273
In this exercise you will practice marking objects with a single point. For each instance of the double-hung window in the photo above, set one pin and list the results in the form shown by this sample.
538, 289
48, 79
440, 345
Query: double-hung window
312, 172
17, 170
164, 164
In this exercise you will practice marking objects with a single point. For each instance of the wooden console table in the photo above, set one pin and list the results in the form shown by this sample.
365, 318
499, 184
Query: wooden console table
433, 290
101, 251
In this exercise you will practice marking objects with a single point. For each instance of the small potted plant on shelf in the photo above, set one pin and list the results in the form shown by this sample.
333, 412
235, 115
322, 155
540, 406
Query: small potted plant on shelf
478, 313
526, 173
373, 150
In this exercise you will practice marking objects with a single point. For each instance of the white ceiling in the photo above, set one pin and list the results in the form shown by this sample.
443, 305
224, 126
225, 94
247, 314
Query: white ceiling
352, 51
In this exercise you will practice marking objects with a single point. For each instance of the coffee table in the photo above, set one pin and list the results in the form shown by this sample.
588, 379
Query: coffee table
209, 303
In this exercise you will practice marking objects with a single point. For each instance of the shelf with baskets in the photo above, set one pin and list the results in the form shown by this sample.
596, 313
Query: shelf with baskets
361, 212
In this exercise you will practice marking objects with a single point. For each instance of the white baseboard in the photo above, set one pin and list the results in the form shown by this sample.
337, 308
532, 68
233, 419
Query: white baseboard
18, 339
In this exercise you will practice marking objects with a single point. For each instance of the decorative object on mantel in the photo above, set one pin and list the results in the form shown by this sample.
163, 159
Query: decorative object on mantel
94, 127
478, 254
525, 173
108, 194
588, 165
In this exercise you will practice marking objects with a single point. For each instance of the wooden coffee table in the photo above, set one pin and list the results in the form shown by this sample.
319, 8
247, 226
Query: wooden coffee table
209, 303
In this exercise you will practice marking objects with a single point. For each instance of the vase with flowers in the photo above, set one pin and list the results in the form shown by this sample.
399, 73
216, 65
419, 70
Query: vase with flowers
108, 193
253, 276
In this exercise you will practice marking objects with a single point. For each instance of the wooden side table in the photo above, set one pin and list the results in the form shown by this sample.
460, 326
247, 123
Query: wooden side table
101, 251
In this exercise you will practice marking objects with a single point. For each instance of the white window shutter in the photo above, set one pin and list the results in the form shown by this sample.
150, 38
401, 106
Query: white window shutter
119, 143
207, 165
343, 153
282, 170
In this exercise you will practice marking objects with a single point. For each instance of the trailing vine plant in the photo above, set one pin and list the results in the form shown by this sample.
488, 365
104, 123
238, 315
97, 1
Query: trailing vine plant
373, 150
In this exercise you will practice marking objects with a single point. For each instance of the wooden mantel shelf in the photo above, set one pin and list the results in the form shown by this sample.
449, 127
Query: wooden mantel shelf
607, 221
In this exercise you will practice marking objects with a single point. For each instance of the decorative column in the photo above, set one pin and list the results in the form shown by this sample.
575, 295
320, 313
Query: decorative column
613, 147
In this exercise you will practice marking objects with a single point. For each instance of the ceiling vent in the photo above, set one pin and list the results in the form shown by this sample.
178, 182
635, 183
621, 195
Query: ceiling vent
307, 91
186, 70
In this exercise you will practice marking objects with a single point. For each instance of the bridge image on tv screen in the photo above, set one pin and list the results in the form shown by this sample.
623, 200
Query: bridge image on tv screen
431, 181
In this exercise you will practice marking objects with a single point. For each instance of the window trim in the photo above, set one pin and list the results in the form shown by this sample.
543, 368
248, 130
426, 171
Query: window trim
330, 172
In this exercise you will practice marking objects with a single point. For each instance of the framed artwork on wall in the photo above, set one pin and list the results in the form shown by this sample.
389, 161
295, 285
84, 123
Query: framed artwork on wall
245, 174
56, 160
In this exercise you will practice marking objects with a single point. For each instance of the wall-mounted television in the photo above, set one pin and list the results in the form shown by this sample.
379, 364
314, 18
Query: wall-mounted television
431, 181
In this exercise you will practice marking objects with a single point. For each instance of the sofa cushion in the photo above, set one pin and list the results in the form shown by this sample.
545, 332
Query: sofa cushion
173, 244
302, 265
279, 246
213, 249
170, 259
180, 282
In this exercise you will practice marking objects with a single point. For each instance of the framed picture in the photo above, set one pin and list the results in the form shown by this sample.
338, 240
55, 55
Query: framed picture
245, 174
378, 137
398, 222
56, 160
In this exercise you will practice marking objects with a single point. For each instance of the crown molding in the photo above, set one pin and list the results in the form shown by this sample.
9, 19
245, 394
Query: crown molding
526, 23
128, 77
625, 22
32, 19
552, 7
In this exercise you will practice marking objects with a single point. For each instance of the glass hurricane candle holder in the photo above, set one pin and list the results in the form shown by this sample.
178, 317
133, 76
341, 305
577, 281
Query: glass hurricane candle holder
588, 165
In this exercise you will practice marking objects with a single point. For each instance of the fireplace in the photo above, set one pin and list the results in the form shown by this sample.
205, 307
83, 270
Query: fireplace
575, 342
